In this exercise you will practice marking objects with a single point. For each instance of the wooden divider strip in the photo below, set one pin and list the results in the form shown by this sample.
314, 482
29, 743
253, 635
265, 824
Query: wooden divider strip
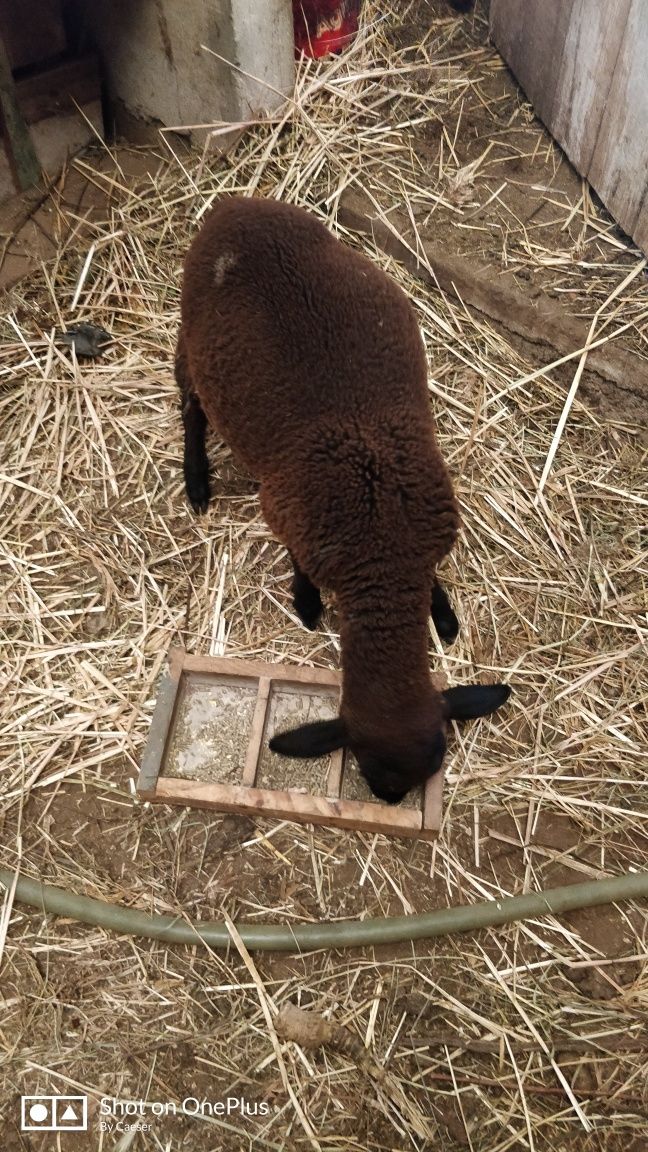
161, 722
433, 803
254, 749
334, 778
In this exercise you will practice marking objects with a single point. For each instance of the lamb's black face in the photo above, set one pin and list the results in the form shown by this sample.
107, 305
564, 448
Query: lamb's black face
391, 777
392, 766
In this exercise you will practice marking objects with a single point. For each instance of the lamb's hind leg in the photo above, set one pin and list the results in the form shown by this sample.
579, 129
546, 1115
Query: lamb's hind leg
443, 617
196, 465
306, 598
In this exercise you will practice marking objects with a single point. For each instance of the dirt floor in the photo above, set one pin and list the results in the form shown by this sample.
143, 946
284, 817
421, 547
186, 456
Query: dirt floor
531, 1036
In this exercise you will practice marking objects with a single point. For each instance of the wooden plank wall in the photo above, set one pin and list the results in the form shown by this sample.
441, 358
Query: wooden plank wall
584, 66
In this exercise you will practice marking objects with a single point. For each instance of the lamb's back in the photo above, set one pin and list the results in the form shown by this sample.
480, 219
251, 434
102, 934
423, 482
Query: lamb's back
286, 328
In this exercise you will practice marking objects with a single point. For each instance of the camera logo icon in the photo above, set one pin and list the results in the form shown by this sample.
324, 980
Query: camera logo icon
53, 1113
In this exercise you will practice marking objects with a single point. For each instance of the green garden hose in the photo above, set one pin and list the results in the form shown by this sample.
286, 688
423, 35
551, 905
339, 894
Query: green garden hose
336, 934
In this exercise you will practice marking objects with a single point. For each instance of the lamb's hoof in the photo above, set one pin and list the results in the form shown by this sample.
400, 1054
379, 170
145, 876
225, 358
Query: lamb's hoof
443, 617
198, 492
447, 627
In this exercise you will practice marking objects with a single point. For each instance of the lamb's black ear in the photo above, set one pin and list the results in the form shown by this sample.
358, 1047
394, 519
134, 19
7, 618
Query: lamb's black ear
467, 701
311, 740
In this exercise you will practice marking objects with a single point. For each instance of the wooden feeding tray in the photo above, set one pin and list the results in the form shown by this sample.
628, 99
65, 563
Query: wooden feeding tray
208, 748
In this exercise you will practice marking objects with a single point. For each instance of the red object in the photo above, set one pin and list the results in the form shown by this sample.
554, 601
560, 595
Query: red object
324, 26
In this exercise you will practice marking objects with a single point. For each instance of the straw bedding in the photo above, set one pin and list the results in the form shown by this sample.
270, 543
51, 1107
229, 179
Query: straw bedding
526, 1037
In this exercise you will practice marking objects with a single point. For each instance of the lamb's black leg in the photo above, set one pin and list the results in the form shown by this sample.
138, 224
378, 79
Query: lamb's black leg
306, 598
443, 617
196, 465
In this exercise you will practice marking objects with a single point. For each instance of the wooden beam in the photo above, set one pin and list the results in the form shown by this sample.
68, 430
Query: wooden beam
582, 65
18, 144
534, 321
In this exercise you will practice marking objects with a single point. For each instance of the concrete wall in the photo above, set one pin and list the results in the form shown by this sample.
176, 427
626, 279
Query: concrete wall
158, 73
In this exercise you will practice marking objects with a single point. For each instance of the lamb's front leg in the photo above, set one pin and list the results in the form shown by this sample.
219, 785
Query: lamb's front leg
443, 617
307, 601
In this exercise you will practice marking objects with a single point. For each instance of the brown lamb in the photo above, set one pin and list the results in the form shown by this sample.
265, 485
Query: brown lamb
309, 362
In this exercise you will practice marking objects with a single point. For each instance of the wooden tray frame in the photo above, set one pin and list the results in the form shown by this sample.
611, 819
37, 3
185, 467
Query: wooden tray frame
245, 798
